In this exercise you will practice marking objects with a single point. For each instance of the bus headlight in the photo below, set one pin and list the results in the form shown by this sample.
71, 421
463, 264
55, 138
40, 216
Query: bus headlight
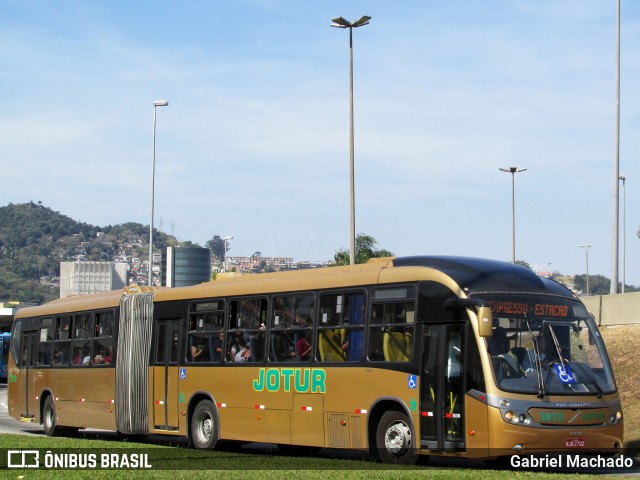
615, 417
515, 417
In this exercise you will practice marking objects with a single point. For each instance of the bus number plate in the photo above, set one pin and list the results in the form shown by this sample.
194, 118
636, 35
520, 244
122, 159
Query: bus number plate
573, 442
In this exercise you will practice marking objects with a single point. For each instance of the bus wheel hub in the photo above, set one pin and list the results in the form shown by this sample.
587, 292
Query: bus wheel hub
206, 427
397, 438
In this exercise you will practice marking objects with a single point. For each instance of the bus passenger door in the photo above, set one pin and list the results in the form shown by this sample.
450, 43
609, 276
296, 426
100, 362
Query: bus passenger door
442, 394
27, 362
166, 375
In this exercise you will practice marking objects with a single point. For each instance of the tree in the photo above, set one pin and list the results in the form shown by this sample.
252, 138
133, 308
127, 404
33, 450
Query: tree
365, 249
216, 245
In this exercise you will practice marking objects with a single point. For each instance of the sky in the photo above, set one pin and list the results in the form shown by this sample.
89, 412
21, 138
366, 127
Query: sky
254, 143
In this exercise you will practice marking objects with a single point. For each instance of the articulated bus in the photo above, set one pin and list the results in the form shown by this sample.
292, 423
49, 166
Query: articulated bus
400, 357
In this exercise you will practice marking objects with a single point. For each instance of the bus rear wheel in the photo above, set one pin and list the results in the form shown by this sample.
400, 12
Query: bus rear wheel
204, 426
394, 439
49, 418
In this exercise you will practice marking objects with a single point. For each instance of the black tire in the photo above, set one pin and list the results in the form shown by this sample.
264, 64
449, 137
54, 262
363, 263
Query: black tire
395, 442
49, 418
204, 426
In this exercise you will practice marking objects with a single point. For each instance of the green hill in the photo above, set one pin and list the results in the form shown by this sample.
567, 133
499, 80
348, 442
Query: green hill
34, 240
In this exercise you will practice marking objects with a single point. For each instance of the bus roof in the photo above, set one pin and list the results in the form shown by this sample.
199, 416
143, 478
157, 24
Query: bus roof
78, 303
472, 275
478, 275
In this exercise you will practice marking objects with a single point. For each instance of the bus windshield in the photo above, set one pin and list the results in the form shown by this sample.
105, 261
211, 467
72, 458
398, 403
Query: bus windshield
547, 345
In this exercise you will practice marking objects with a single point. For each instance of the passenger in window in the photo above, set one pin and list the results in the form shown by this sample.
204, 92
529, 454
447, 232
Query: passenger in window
86, 359
61, 355
547, 354
107, 357
215, 345
244, 354
237, 345
303, 347
81, 356
197, 348
284, 348
63, 329
506, 364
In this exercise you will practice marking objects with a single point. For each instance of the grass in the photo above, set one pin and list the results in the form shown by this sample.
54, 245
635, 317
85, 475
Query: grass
622, 345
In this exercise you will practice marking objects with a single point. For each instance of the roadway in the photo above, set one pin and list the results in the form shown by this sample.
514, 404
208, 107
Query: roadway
9, 424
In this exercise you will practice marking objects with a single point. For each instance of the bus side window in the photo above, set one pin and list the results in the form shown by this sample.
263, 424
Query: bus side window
104, 323
341, 329
45, 345
291, 328
392, 327
63, 325
83, 326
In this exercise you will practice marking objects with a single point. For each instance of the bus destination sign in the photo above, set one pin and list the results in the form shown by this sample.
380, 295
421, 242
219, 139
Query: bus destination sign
530, 309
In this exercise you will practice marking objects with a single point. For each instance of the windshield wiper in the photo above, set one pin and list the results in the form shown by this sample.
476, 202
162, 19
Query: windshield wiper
541, 392
556, 345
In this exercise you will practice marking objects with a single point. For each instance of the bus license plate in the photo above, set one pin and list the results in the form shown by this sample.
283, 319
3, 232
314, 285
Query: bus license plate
575, 442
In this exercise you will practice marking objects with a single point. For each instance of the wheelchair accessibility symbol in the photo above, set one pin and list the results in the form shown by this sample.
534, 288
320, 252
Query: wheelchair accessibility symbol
413, 381
564, 374
183, 374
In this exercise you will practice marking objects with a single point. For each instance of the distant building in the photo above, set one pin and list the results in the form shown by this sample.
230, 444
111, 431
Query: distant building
83, 278
184, 266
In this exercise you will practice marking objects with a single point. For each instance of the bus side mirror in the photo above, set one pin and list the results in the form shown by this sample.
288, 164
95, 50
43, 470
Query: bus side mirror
482, 309
485, 321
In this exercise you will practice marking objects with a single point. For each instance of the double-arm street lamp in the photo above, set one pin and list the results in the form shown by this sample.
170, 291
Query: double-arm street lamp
340, 22
156, 104
513, 171
586, 247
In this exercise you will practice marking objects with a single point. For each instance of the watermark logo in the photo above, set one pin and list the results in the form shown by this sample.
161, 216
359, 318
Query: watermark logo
75, 460
23, 459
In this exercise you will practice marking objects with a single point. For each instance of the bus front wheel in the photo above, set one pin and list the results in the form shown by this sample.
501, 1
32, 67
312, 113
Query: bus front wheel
204, 426
394, 439
49, 417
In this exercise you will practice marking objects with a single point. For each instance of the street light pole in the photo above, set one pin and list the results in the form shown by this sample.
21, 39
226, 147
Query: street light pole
340, 22
624, 227
616, 165
513, 171
156, 104
587, 247
226, 245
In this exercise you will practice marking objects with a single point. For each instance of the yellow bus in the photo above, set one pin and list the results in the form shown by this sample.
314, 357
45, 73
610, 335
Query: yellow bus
401, 357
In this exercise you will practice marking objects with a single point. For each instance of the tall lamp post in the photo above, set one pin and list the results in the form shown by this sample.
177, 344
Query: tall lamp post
586, 248
340, 22
156, 104
616, 165
226, 247
513, 171
624, 226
